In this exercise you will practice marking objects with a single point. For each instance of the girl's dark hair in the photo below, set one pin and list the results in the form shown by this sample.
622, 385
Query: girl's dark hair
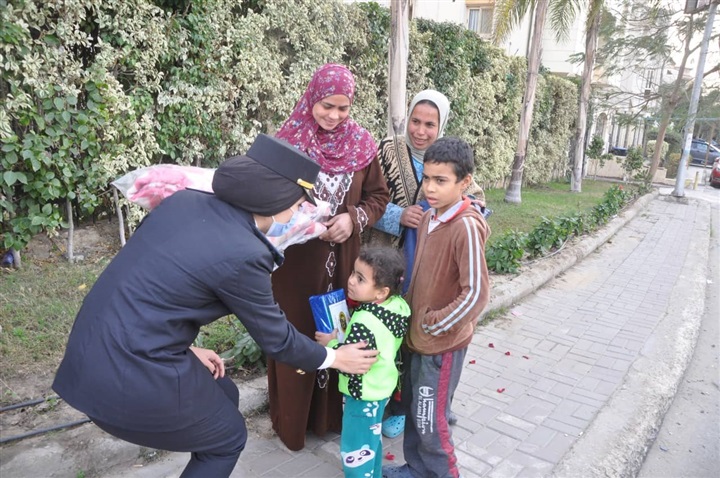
388, 266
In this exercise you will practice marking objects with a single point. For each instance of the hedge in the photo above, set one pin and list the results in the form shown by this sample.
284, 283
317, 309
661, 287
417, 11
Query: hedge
96, 88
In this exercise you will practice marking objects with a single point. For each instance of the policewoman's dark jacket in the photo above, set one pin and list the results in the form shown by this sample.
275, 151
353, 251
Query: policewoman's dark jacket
127, 361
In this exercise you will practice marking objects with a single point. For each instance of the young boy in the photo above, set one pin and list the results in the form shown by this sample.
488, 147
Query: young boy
448, 290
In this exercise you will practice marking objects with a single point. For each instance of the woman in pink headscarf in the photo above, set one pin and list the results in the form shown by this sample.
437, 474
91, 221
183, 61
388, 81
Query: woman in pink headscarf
352, 182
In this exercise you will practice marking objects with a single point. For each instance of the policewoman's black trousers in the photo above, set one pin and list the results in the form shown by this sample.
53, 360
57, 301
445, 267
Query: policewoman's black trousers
215, 443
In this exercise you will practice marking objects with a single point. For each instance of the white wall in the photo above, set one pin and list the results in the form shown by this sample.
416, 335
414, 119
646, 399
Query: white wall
556, 54
438, 10
441, 10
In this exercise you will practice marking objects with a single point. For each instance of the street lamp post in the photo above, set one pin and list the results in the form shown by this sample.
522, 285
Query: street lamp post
679, 190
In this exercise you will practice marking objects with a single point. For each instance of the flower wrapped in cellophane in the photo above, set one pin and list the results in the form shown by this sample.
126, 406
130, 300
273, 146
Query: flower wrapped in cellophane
147, 187
306, 224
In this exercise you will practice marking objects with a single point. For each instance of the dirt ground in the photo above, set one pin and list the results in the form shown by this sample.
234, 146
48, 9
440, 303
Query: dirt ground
90, 242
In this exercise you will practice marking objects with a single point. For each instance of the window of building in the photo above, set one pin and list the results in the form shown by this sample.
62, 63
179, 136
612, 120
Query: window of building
480, 20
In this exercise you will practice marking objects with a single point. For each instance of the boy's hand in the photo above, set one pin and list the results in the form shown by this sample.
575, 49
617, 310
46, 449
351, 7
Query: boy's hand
323, 338
411, 216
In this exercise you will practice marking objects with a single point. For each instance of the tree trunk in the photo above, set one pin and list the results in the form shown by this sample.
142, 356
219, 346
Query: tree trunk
118, 209
71, 232
668, 106
591, 34
513, 192
397, 64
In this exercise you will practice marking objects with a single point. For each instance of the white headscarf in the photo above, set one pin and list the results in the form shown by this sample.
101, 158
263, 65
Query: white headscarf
441, 103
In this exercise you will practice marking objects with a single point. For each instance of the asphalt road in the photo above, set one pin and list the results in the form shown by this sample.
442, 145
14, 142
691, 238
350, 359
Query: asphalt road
688, 442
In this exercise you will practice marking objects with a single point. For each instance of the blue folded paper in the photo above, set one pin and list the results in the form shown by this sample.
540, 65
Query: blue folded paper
331, 312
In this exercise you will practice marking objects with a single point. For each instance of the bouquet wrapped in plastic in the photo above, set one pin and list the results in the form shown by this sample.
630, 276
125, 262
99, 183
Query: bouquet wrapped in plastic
306, 224
147, 187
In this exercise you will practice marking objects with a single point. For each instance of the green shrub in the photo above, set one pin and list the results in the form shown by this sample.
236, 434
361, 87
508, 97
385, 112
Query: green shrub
505, 254
235, 344
634, 165
671, 165
546, 236
663, 150
552, 233
595, 152
97, 88
613, 201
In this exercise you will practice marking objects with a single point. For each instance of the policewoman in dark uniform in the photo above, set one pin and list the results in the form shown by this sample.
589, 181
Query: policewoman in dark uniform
129, 363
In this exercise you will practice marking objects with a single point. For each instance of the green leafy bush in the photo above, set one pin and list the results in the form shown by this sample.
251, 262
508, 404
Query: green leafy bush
672, 164
663, 150
546, 236
230, 337
505, 254
634, 164
552, 233
96, 88
615, 198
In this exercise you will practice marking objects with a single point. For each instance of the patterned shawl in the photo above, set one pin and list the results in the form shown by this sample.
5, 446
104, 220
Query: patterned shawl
347, 148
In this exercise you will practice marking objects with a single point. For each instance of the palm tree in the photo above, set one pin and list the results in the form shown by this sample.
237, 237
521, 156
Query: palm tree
509, 15
592, 27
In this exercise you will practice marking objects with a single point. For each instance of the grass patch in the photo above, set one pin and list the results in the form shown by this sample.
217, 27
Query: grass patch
491, 316
38, 304
549, 200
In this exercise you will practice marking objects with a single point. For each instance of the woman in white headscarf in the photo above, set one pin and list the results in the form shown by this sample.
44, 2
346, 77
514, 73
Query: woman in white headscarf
401, 159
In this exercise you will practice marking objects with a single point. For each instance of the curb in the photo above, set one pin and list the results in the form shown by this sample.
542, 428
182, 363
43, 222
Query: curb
620, 436
46, 455
528, 281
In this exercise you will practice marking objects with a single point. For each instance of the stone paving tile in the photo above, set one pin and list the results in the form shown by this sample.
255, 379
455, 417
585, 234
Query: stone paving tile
269, 461
306, 462
499, 449
322, 470
508, 429
576, 396
531, 466
547, 397
574, 429
470, 463
554, 450
506, 469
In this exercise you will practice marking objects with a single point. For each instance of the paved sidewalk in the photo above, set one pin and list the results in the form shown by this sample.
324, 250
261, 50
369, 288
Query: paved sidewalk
594, 360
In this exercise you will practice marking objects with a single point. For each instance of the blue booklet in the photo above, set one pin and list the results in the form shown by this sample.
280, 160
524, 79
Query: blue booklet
331, 312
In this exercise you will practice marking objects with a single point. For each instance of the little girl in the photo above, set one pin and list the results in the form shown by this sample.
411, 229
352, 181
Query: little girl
380, 318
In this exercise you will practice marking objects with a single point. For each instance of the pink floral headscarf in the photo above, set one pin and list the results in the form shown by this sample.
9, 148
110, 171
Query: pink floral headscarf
347, 148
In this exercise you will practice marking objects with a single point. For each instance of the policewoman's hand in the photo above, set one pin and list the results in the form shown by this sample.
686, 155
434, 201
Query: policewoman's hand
211, 361
352, 358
